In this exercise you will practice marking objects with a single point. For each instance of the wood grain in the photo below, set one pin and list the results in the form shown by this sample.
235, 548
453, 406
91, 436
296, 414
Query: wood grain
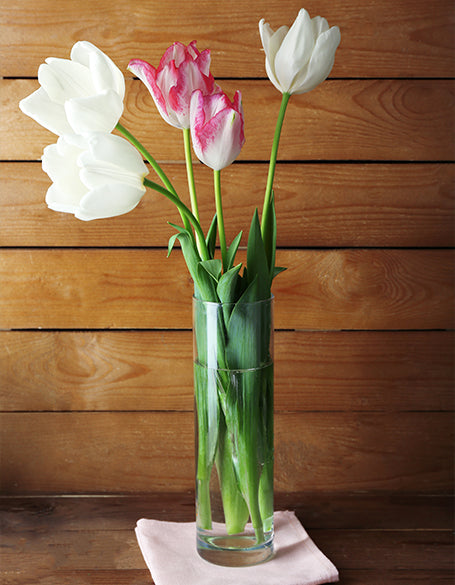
152, 370
343, 119
414, 39
142, 452
142, 576
321, 510
336, 289
65, 549
388, 205
370, 531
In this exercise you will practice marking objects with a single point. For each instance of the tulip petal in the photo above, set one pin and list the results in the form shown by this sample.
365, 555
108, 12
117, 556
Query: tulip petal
59, 162
276, 40
203, 61
63, 79
105, 74
271, 75
97, 113
321, 62
95, 174
47, 113
66, 201
108, 200
320, 25
118, 151
295, 50
271, 42
148, 74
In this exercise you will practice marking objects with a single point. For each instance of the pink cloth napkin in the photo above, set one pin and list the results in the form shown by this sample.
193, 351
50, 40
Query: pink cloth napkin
169, 549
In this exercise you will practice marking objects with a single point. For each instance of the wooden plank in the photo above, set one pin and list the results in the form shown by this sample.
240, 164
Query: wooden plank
42, 525
119, 550
152, 370
101, 550
388, 205
91, 541
316, 510
336, 289
415, 39
142, 452
342, 120
142, 577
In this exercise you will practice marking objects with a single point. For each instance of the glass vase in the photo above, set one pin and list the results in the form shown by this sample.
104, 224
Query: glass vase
233, 387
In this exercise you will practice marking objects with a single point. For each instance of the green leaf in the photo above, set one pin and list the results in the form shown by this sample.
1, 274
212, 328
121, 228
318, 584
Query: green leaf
213, 267
204, 287
257, 263
210, 240
269, 232
270, 245
277, 270
227, 285
227, 290
171, 244
232, 250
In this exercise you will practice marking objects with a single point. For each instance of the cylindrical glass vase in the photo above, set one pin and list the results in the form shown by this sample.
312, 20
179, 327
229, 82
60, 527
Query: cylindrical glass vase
233, 387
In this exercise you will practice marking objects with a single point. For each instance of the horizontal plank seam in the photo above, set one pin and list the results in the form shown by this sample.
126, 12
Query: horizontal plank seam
313, 529
373, 494
281, 248
179, 329
190, 410
307, 161
261, 79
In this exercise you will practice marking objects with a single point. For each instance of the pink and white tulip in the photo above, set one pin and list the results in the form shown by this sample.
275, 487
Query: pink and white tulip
182, 70
217, 128
77, 95
94, 176
299, 58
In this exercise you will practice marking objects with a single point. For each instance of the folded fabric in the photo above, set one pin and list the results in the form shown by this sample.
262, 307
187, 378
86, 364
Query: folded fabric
169, 549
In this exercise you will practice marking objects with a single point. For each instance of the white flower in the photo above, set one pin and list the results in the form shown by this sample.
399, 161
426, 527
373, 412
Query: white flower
84, 94
299, 58
95, 176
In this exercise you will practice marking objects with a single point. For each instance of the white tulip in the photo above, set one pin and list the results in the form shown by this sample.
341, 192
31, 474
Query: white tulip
95, 176
299, 58
84, 94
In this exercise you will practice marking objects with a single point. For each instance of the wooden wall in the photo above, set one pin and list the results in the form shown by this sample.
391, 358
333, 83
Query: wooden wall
95, 341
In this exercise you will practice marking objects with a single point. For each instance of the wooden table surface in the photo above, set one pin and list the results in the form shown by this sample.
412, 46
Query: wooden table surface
373, 539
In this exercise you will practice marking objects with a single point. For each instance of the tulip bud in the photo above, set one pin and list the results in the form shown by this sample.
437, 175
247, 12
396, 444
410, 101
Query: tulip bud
95, 176
181, 71
216, 128
84, 94
299, 58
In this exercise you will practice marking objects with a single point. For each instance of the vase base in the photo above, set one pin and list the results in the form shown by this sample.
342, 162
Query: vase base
234, 551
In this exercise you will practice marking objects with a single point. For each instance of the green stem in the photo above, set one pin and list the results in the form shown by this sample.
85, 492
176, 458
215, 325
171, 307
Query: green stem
185, 212
273, 156
189, 172
219, 216
155, 166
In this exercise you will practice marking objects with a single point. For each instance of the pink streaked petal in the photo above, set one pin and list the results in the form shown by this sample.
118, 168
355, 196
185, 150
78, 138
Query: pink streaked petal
148, 75
176, 52
203, 62
216, 103
197, 112
193, 50
220, 140
216, 129
237, 103
167, 78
